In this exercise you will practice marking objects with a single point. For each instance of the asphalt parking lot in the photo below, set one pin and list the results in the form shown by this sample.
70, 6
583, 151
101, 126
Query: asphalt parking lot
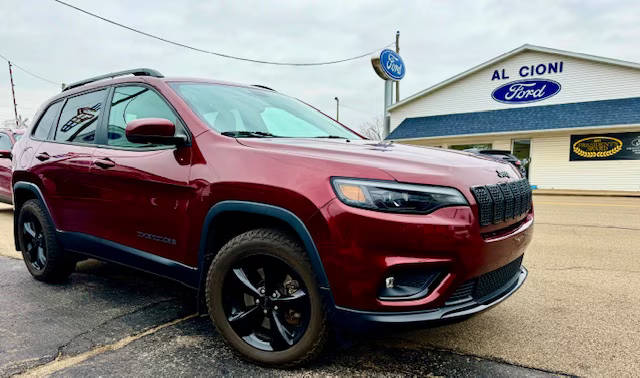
577, 314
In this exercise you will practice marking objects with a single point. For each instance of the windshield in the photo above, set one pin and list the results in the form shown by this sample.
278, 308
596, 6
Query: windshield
255, 113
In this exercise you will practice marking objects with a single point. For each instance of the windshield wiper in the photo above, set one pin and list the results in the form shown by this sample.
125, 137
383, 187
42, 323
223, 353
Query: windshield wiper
330, 137
249, 134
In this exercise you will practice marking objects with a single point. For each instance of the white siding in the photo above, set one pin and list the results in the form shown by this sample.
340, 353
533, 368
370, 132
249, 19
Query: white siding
496, 144
581, 80
502, 144
550, 166
551, 169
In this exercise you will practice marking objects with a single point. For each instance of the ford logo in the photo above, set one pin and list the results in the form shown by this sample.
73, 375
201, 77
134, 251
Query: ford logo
523, 91
392, 65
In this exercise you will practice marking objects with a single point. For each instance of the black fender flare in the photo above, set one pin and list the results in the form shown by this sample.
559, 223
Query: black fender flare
272, 211
33, 188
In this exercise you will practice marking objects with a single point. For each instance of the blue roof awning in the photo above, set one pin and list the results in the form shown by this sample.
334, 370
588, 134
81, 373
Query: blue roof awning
580, 114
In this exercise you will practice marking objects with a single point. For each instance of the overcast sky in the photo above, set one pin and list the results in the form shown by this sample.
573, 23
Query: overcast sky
438, 40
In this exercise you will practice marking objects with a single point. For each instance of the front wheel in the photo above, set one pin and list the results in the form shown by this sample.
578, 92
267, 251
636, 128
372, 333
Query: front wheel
45, 259
263, 298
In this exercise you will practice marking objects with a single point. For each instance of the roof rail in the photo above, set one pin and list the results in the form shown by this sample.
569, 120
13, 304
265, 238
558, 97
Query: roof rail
263, 87
134, 72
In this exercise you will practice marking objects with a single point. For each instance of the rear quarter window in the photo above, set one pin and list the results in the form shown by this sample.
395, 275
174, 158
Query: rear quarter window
79, 119
43, 127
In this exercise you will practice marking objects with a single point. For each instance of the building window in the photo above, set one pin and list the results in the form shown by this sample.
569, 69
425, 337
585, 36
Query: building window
479, 146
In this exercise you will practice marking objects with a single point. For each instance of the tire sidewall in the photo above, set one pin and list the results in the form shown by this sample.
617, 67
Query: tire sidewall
292, 257
53, 269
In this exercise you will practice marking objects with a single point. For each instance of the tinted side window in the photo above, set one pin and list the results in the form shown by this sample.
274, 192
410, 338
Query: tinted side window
48, 119
130, 103
5, 142
79, 118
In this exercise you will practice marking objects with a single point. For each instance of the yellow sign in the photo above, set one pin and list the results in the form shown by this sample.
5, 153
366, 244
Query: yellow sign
597, 147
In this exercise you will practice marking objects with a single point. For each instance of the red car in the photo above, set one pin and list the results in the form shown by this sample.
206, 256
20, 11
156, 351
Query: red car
284, 221
8, 138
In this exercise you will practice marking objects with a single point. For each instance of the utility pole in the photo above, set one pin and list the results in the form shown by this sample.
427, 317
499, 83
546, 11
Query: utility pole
398, 51
337, 108
13, 94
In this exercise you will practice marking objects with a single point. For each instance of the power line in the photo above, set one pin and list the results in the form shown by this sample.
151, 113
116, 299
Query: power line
355, 109
28, 72
213, 52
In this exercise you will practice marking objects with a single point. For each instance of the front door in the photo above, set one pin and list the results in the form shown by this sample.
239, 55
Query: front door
143, 190
522, 150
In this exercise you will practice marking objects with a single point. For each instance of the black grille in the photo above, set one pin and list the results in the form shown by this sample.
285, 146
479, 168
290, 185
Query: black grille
487, 284
463, 292
494, 280
501, 202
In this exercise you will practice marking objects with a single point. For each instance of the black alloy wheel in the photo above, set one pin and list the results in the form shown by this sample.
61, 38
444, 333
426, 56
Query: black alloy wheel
34, 242
45, 259
266, 303
264, 299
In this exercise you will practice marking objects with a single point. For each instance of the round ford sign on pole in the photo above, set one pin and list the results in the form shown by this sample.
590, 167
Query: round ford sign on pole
390, 67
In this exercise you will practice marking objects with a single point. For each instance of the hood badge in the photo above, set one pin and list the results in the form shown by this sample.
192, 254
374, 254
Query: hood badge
504, 174
381, 145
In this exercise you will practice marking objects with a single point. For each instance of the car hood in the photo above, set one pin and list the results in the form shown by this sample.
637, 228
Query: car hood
405, 163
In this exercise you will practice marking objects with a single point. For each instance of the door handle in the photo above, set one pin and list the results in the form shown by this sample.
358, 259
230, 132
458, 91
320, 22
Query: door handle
43, 156
105, 163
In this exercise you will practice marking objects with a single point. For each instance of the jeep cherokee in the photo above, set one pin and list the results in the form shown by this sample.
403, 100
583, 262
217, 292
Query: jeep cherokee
285, 221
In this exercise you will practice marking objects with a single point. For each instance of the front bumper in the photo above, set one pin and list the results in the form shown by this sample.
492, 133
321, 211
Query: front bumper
358, 320
360, 248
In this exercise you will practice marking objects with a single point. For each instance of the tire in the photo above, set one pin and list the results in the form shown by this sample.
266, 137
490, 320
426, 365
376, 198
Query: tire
297, 330
41, 252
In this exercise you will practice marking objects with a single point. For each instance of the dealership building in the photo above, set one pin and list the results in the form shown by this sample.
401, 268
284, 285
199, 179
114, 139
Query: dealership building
573, 119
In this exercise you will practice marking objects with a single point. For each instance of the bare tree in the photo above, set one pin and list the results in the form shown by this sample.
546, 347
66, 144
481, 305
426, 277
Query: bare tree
23, 123
373, 129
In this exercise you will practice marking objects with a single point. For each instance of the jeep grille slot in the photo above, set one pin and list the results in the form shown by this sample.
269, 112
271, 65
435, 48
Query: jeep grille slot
501, 202
488, 285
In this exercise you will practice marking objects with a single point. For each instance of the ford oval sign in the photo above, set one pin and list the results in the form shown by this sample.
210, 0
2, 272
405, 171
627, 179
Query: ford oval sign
523, 91
389, 65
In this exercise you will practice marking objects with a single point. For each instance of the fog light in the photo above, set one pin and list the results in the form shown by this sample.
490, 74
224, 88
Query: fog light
388, 282
409, 282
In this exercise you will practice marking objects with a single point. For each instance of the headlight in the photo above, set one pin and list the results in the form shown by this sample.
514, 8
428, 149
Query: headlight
395, 197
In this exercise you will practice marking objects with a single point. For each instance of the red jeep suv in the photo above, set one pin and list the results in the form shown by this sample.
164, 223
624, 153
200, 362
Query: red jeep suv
284, 221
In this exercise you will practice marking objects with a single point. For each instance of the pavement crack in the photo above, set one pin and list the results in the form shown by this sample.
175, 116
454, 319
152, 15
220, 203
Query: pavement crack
61, 363
9, 256
586, 268
589, 225
120, 316
59, 354
486, 358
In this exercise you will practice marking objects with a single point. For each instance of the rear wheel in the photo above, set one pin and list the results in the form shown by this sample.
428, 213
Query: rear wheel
44, 258
263, 298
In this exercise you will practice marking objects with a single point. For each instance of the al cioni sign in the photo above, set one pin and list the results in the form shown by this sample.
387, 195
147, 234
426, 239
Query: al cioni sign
613, 146
389, 65
527, 89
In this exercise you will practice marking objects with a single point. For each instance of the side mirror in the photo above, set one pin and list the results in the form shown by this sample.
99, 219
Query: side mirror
5, 154
153, 130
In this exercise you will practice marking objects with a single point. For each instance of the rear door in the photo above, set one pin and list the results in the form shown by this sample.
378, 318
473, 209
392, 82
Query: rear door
5, 168
63, 158
143, 189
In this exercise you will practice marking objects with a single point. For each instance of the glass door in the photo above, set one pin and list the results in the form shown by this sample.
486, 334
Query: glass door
521, 148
